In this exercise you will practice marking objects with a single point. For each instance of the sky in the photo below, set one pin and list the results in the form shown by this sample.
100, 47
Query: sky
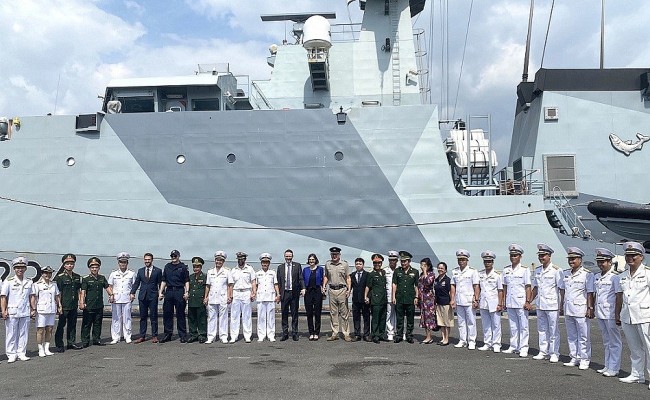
59, 55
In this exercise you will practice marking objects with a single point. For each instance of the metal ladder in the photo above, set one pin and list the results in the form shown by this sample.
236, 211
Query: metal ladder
568, 214
397, 76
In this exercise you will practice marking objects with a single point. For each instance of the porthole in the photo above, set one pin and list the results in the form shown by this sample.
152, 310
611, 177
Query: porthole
231, 158
180, 159
6, 163
70, 161
338, 156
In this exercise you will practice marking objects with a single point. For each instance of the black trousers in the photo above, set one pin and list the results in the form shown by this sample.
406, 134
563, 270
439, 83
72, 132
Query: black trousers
289, 304
91, 319
68, 317
408, 311
174, 301
361, 310
149, 309
313, 308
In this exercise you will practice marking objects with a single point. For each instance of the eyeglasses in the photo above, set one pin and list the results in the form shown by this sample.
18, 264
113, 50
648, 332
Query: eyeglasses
376, 262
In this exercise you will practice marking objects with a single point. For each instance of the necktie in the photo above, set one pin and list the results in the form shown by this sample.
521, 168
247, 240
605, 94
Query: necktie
288, 276
146, 275
358, 277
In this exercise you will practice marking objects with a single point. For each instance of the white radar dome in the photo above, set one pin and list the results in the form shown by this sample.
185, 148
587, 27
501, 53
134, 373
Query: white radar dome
316, 33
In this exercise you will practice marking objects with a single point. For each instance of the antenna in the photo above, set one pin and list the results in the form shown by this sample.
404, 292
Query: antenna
524, 76
56, 98
602, 33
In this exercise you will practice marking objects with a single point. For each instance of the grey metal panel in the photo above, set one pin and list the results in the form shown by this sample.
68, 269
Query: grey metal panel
285, 174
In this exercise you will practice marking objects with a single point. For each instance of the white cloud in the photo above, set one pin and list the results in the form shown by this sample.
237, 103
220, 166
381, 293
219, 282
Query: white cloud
134, 7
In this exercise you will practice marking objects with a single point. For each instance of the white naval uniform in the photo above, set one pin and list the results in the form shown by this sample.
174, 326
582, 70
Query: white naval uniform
121, 282
17, 325
576, 286
266, 282
605, 286
547, 280
45, 302
391, 317
218, 303
464, 282
635, 317
515, 279
242, 280
490, 284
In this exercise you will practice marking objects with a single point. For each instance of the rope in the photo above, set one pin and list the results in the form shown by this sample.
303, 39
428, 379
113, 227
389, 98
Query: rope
462, 61
548, 27
283, 228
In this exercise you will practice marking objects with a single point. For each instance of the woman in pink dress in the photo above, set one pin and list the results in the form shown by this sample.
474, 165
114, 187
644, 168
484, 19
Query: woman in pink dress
427, 299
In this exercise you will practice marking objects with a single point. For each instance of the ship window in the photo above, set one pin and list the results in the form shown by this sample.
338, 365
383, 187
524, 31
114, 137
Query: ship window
205, 105
6, 163
338, 156
70, 161
560, 173
231, 158
180, 159
137, 104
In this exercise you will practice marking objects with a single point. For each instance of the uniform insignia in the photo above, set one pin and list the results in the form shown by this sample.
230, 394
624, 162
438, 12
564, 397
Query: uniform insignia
482, 271
555, 266
10, 279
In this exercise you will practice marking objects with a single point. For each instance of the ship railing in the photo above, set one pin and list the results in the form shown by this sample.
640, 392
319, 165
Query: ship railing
258, 96
345, 33
568, 213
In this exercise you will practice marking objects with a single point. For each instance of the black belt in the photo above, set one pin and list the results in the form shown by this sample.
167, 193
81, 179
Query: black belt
337, 287
175, 287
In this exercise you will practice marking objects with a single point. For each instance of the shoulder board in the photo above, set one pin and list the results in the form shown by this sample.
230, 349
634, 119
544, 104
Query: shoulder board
497, 272
567, 270
482, 271
646, 267
555, 266
11, 279
615, 272
87, 276
471, 268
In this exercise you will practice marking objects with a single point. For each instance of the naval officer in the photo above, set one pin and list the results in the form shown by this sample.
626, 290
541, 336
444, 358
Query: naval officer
120, 283
91, 302
546, 280
242, 290
405, 296
174, 289
69, 284
391, 317
517, 293
48, 304
216, 299
338, 281
18, 305
268, 293
465, 292
491, 284
632, 311
577, 296
196, 316
606, 283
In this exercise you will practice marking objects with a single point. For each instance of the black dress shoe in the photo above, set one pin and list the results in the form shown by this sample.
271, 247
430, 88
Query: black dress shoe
60, 349
375, 340
190, 340
98, 343
409, 339
202, 340
284, 337
295, 337
74, 347
366, 339
397, 340
85, 345
183, 340
166, 338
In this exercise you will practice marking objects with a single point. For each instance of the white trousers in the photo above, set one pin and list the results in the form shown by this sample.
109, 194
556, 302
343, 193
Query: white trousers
518, 320
265, 319
217, 318
491, 323
241, 309
577, 334
638, 340
16, 331
612, 342
121, 321
548, 332
391, 318
466, 324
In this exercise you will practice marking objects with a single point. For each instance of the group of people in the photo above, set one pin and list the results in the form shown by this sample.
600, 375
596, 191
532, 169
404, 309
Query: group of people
215, 303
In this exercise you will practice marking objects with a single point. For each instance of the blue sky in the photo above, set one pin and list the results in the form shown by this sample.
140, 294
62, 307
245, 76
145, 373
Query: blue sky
60, 54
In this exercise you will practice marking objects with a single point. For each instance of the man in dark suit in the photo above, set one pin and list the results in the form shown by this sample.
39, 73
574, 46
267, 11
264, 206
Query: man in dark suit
291, 286
359, 279
148, 280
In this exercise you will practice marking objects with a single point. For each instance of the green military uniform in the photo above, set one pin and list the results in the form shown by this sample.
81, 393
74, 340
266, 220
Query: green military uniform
406, 282
196, 315
94, 308
69, 286
376, 284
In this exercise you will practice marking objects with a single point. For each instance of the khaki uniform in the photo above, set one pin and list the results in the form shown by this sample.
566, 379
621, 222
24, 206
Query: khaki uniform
337, 275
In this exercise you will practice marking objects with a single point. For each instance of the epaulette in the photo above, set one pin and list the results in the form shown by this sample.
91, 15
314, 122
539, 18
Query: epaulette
567, 270
11, 278
616, 272
481, 271
555, 266
471, 267
87, 276
497, 272
647, 267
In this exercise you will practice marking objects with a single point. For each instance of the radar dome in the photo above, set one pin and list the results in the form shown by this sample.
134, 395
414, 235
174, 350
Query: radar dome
317, 33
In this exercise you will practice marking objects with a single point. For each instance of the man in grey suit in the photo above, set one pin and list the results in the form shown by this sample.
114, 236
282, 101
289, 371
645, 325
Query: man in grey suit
148, 279
291, 286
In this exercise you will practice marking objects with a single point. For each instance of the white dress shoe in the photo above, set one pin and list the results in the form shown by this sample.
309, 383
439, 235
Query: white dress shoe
224, 341
600, 371
127, 341
271, 339
390, 338
540, 356
485, 347
509, 350
460, 344
232, 340
260, 339
609, 373
584, 365
23, 357
572, 363
11, 358
523, 354
554, 358
496, 349
632, 379
115, 341
472, 346
209, 341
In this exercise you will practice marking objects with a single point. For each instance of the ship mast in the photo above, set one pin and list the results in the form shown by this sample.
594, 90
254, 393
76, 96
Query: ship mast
602, 34
524, 76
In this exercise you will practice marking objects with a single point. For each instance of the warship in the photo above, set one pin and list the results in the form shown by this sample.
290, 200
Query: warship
340, 147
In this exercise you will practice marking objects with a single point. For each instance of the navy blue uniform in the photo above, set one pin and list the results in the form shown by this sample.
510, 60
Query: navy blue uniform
175, 276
